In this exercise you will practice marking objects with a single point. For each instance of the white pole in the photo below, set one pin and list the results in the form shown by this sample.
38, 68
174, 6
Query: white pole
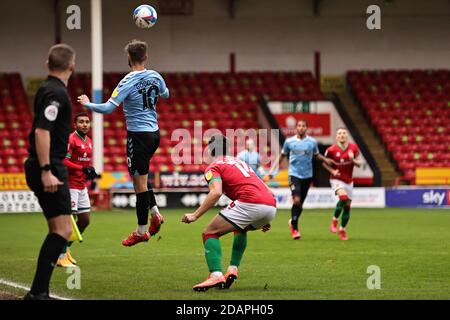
97, 81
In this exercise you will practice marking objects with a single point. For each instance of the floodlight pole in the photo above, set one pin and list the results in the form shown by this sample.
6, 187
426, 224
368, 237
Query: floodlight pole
97, 82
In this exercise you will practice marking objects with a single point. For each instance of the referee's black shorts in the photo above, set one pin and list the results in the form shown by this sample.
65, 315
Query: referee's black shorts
52, 204
299, 187
140, 148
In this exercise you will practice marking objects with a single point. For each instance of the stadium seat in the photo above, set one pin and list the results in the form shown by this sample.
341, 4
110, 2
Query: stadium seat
408, 109
219, 99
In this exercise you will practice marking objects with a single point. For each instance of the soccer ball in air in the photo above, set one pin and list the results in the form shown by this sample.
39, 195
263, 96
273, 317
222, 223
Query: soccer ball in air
145, 16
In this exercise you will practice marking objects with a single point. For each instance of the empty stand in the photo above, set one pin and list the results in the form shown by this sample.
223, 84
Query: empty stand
15, 123
220, 100
410, 110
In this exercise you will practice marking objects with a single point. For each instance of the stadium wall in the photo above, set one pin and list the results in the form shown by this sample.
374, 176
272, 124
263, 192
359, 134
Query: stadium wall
265, 35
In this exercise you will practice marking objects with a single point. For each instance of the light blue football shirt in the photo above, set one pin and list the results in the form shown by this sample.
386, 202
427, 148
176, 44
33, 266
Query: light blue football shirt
300, 152
251, 158
139, 92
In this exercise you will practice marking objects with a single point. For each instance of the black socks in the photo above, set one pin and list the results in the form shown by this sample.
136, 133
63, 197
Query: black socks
296, 211
50, 250
142, 206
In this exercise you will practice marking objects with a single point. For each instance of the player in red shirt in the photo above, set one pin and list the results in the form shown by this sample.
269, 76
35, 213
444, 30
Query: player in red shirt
345, 156
253, 207
79, 164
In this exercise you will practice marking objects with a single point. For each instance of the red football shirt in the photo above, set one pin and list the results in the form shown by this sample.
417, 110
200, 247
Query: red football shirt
80, 153
343, 162
239, 181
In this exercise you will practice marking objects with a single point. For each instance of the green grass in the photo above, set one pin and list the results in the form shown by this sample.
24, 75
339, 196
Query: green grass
410, 246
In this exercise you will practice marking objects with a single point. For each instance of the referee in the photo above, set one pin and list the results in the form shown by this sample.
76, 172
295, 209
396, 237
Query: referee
45, 173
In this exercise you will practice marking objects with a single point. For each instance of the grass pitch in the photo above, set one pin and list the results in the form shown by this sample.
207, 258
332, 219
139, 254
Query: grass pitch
411, 247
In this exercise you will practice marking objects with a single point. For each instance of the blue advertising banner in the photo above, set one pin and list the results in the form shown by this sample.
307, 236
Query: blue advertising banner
418, 197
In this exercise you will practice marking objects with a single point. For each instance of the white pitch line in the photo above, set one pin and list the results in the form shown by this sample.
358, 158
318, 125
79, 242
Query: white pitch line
20, 286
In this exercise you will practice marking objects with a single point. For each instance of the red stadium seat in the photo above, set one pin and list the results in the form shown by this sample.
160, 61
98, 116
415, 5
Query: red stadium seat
14, 169
108, 168
219, 99
409, 110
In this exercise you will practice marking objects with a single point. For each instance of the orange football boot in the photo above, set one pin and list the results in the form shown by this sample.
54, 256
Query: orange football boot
211, 282
230, 277
294, 233
155, 223
134, 238
343, 234
334, 225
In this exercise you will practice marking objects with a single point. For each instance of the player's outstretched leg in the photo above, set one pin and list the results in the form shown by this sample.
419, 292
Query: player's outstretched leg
213, 255
239, 246
156, 219
142, 205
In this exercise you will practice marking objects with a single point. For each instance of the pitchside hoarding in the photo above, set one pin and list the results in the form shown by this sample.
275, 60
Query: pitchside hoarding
325, 198
126, 199
317, 198
438, 197
18, 201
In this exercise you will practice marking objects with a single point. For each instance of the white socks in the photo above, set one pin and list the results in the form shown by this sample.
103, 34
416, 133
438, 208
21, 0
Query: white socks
231, 268
154, 210
141, 230
219, 274
216, 274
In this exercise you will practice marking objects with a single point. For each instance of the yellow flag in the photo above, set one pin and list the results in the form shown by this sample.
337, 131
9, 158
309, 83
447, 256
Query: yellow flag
76, 235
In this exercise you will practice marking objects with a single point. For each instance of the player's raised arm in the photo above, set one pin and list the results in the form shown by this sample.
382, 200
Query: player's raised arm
215, 191
106, 107
164, 91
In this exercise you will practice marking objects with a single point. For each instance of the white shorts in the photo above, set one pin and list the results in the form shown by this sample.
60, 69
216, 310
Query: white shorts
79, 200
242, 215
338, 184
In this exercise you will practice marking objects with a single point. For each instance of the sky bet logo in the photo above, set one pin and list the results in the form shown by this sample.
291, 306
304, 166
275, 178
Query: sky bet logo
434, 197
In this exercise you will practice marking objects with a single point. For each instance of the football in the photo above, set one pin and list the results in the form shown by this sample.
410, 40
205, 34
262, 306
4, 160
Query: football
145, 16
